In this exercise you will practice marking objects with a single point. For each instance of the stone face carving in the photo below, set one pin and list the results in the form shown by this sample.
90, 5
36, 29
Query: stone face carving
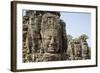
78, 49
45, 39
51, 43
85, 47
53, 37
44, 36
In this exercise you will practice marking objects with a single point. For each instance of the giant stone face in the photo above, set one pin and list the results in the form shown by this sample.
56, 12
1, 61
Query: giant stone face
51, 41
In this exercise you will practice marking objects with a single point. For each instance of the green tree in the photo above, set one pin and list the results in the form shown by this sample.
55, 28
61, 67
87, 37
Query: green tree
84, 37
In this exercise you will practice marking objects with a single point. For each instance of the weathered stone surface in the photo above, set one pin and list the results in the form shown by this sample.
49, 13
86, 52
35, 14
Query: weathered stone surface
78, 48
43, 35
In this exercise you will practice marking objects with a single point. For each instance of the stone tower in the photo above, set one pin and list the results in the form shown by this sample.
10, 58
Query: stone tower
44, 36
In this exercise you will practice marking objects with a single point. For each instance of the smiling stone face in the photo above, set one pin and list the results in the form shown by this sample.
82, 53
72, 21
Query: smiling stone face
51, 41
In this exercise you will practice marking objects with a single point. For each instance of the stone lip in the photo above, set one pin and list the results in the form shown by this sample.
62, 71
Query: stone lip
52, 57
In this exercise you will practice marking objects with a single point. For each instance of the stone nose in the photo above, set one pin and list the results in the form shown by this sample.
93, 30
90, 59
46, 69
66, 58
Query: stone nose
52, 42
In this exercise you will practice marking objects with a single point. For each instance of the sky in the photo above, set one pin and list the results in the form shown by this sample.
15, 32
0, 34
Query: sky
77, 24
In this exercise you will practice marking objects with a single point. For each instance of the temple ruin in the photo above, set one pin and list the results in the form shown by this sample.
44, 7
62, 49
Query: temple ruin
45, 39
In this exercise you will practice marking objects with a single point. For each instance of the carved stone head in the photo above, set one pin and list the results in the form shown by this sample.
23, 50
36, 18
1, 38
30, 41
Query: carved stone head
51, 41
